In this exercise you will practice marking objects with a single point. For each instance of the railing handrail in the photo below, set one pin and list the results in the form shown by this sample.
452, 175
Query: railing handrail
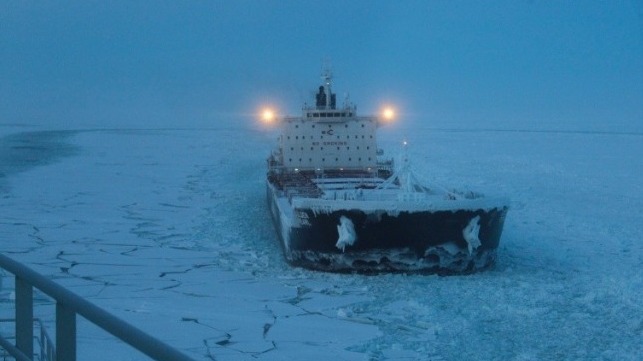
149, 345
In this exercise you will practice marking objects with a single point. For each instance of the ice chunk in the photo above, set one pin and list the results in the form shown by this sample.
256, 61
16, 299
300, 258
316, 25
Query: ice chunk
347, 235
471, 233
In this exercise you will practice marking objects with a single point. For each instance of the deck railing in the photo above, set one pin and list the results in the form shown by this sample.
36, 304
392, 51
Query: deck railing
68, 305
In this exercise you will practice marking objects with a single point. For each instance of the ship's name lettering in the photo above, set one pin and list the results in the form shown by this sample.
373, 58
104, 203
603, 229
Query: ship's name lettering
330, 143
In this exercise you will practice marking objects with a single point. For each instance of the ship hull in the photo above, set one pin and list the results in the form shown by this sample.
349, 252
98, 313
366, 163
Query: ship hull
427, 241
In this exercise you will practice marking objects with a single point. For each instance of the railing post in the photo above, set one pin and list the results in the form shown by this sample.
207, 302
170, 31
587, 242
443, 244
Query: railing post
65, 333
24, 317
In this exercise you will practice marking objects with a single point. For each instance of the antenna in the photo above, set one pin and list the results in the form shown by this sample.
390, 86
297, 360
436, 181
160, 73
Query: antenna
326, 71
328, 101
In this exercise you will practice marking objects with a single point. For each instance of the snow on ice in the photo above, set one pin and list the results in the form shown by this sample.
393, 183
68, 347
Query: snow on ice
169, 229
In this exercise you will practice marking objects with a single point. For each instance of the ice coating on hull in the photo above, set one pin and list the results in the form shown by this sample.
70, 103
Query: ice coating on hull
347, 236
471, 234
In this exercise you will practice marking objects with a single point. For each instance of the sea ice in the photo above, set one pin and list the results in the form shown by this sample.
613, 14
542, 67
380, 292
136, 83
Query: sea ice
170, 230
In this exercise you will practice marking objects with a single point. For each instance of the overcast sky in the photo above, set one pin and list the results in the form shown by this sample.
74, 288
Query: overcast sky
484, 64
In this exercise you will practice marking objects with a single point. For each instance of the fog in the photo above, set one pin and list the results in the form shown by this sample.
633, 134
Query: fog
463, 64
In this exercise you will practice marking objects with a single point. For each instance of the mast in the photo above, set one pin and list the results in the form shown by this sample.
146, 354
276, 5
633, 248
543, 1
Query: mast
326, 99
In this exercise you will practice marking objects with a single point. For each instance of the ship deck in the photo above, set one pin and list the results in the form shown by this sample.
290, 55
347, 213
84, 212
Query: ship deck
335, 191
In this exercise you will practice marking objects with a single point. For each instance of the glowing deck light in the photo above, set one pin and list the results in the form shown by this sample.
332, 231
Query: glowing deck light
388, 113
268, 115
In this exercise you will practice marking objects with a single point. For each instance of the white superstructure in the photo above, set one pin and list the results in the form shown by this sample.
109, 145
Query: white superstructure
325, 137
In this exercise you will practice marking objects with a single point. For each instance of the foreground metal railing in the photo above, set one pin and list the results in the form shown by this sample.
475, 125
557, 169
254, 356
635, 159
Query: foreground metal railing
46, 349
68, 305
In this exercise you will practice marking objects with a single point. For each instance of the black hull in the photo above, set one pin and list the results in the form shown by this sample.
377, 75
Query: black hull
418, 241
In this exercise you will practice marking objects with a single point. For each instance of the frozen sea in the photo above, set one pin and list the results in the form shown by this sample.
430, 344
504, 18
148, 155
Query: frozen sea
169, 230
